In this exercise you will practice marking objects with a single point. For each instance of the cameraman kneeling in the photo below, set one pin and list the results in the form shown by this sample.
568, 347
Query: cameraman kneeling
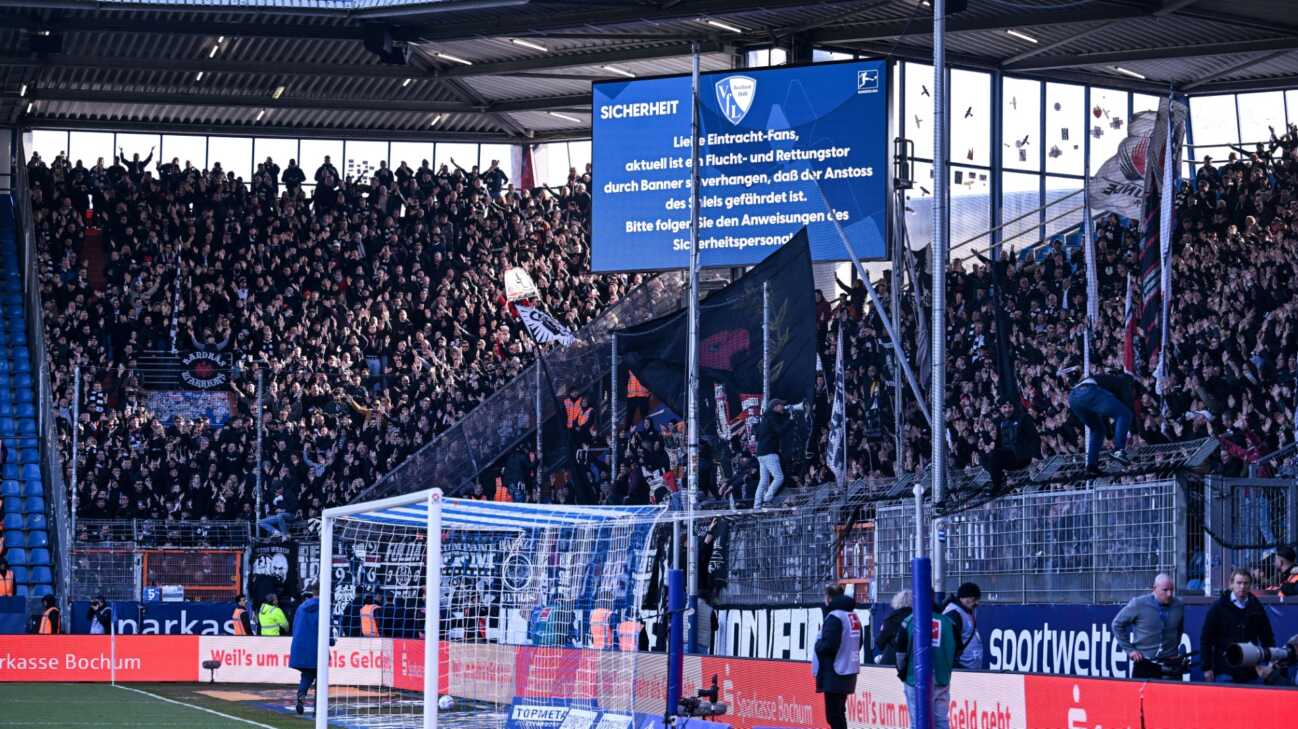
1237, 617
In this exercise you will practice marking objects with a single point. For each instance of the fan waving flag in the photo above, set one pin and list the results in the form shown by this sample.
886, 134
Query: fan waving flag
543, 327
836, 450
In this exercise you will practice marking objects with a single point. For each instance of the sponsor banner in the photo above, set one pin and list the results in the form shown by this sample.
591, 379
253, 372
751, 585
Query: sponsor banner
94, 658
408, 666
161, 618
251, 659
167, 405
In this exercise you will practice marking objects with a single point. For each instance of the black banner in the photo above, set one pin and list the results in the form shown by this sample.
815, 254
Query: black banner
274, 568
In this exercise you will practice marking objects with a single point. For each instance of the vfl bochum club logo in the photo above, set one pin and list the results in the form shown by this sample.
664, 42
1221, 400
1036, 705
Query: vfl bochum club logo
735, 94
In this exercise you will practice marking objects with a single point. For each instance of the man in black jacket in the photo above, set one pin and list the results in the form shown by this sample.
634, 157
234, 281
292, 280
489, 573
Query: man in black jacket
1017, 443
837, 659
773, 425
1095, 401
1237, 617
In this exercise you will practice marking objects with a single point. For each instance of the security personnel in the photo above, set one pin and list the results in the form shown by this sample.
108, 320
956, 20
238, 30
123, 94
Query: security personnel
50, 624
6, 579
837, 659
370, 616
271, 618
601, 629
240, 621
628, 635
960, 611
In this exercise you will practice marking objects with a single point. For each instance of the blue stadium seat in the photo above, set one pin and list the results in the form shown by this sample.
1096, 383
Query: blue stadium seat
33, 487
29, 455
4, 365
28, 442
12, 285
16, 555
10, 471
24, 395
38, 558
11, 488
13, 521
35, 520
42, 590
22, 366
34, 506
21, 351
13, 505
15, 538
14, 300
32, 472
39, 573
20, 573
26, 410
6, 407
27, 428
8, 427
38, 538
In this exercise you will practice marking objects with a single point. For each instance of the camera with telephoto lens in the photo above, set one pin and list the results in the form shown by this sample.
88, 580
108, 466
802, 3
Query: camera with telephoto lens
705, 704
1248, 655
1175, 666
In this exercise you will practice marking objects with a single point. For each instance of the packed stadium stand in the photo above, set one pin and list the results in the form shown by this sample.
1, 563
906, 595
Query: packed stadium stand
25, 534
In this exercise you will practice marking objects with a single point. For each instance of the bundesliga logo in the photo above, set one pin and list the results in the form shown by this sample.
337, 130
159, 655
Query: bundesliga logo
735, 94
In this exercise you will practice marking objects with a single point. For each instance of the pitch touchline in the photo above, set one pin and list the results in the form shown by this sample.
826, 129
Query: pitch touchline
196, 707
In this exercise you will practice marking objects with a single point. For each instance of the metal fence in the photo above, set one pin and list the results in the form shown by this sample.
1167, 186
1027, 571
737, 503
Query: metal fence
119, 558
1242, 521
508, 417
1078, 544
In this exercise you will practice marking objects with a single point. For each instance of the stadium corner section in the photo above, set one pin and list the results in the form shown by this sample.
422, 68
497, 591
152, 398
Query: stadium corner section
760, 693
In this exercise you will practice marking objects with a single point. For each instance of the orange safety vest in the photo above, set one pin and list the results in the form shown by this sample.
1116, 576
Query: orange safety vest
7, 584
601, 633
634, 388
237, 619
47, 622
572, 408
369, 621
628, 635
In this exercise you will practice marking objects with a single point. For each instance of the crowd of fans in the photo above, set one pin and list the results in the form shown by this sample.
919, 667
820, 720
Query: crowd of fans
374, 308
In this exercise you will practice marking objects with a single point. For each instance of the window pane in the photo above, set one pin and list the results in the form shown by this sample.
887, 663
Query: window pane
1065, 125
1258, 113
1108, 122
1058, 188
313, 153
1021, 124
89, 147
49, 144
279, 150
970, 209
363, 158
758, 58
234, 154
141, 144
971, 117
551, 162
412, 153
579, 156
919, 206
502, 153
820, 56
1214, 122
779, 56
1020, 195
1291, 105
1143, 102
185, 148
919, 108
463, 153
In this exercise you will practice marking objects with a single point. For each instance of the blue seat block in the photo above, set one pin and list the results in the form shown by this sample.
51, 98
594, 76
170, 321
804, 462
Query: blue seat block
42, 590
16, 538
11, 487
33, 505
13, 505
32, 472
33, 488
13, 521
38, 558
16, 555
27, 428
34, 521
38, 538
29, 455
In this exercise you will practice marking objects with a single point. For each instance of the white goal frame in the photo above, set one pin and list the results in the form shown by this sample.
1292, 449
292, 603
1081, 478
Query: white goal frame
432, 499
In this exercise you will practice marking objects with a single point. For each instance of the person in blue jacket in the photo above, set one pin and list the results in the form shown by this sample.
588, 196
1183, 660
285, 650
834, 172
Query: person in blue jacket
302, 653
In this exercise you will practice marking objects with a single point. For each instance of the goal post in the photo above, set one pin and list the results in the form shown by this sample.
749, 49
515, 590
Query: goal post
468, 614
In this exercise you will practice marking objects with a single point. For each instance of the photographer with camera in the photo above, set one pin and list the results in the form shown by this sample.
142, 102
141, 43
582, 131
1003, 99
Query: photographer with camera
774, 425
1237, 617
1148, 630
837, 659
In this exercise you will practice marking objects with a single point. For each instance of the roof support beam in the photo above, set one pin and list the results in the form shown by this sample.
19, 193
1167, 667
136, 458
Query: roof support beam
286, 29
963, 23
191, 65
304, 132
1235, 68
1275, 83
573, 60
289, 102
1149, 54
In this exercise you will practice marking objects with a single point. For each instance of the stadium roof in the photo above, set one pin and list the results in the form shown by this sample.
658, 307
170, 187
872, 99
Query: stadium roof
507, 70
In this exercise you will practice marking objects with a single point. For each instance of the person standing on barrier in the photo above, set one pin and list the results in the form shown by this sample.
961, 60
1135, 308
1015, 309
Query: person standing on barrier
837, 658
959, 609
1095, 401
1236, 617
775, 423
941, 657
1148, 629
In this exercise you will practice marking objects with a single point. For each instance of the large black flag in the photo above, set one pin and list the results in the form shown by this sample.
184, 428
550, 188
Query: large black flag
730, 337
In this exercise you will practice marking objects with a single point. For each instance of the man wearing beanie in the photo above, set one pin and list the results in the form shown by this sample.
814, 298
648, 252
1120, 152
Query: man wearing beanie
959, 609
1286, 571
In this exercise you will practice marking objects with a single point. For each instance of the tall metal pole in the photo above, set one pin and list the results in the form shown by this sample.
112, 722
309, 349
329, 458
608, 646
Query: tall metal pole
540, 457
940, 246
894, 304
261, 426
76, 450
692, 421
766, 344
614, 423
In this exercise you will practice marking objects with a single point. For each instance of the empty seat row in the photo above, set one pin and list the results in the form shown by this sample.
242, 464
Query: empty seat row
28, 505
14, 487
20, 556
29, 539
28, 472
20, 521
29, 574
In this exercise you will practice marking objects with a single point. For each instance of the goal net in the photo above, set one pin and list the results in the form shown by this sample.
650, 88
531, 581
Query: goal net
478, 614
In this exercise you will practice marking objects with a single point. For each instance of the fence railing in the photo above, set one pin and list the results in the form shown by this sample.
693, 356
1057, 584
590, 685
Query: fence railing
508, 416
1242, 521
156, 533
118, 558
